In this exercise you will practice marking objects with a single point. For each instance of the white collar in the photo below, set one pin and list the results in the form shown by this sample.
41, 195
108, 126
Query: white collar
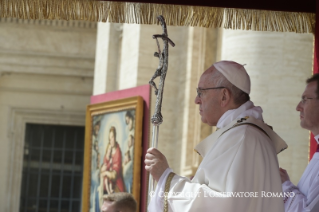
246, 109
317, 138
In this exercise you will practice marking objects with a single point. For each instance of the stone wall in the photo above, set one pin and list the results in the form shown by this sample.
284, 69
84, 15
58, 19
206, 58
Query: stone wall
46, 76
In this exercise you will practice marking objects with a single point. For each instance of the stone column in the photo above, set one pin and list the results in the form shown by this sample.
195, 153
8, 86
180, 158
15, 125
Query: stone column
278, 64
201, 54
138, 65
129, 64
108, 50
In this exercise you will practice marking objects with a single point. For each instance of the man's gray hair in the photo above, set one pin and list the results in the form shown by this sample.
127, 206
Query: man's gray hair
122, 200
219, 80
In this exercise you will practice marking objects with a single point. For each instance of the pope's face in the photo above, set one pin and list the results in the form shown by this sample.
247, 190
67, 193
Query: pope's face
209, 102
309, 110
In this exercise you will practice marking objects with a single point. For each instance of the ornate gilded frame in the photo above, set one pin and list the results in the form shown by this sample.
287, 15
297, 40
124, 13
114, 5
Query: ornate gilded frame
102, 110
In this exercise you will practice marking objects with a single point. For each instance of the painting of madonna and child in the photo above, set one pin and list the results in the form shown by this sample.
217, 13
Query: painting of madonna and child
112, 155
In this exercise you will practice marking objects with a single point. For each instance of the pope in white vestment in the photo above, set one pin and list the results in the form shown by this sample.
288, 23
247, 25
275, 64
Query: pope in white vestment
243, 161
239, 171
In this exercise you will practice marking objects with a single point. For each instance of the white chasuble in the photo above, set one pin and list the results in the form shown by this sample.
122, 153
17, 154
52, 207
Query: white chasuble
239, 173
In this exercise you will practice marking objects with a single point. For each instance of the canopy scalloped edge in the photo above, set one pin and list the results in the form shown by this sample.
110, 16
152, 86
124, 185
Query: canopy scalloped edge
144, 13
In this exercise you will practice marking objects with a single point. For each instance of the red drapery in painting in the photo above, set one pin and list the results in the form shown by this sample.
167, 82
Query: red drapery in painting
313, 143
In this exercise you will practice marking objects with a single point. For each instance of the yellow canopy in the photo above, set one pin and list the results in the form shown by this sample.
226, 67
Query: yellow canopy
145, 13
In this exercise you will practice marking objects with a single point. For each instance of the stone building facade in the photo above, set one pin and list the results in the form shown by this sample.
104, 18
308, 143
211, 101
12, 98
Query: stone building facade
46, 77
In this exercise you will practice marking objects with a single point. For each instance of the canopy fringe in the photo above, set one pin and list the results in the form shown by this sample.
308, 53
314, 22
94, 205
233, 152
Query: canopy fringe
264, 20
144, 13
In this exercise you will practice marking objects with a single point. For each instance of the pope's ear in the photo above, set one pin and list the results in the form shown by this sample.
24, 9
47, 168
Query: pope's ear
226, 96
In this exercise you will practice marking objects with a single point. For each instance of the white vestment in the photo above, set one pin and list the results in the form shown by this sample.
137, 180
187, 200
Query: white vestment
241, 161
306, 193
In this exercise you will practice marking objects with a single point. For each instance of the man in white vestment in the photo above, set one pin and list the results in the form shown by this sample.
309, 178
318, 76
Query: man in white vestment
306, 193
239, 170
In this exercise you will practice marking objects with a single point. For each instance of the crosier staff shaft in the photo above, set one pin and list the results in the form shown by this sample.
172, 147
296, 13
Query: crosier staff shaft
151, 183
161, 71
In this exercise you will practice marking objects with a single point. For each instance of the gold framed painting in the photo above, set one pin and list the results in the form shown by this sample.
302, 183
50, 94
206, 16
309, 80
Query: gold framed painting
113, 150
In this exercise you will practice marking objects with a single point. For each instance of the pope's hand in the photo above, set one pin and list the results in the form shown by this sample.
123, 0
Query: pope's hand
155, 163
284, 175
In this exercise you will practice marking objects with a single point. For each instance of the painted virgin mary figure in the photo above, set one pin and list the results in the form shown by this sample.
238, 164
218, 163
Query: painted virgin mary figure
111, 170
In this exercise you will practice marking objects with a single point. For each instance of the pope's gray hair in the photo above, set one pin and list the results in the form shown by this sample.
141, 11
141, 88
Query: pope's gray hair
219, 80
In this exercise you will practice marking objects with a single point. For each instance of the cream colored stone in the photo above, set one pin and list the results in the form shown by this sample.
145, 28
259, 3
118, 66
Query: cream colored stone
46, 76
129, 56
107, 56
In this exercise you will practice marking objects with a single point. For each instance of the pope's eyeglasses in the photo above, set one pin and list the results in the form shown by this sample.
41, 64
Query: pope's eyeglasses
200, 90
